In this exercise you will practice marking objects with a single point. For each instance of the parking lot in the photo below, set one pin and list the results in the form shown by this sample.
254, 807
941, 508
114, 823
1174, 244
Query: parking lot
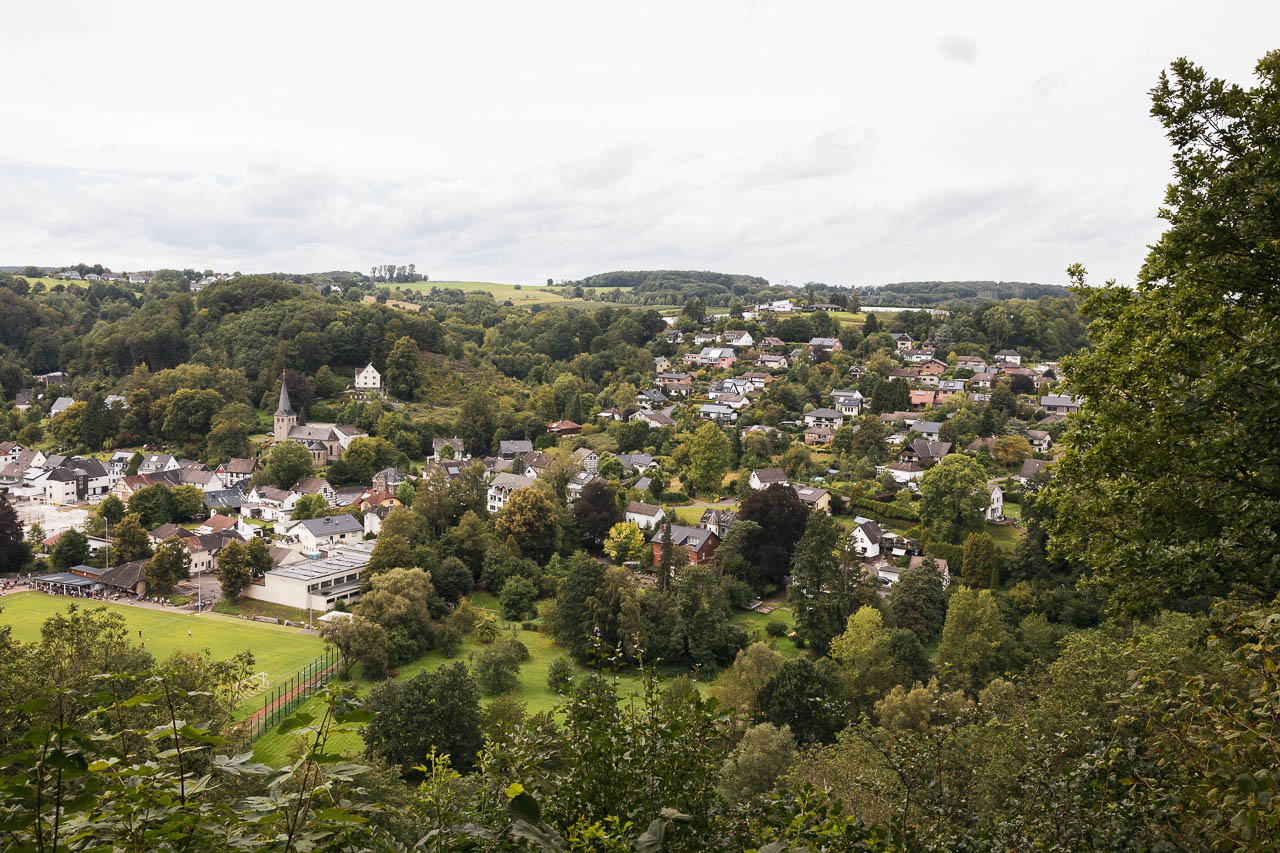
51, 518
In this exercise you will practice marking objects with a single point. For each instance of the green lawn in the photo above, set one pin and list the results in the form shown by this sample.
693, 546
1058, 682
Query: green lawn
280, 652
1006, 536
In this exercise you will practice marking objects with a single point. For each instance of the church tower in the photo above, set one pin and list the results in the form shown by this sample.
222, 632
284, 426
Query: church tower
286, 419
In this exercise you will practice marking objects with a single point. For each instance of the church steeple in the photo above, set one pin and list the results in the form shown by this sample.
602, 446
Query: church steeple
286, 418
284, 408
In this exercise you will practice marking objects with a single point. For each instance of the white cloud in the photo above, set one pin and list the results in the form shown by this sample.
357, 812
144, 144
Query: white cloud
516, 141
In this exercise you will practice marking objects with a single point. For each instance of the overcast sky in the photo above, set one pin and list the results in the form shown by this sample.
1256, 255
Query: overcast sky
841, 142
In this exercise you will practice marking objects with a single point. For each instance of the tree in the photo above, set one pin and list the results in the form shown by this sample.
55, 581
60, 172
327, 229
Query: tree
496, 668
452, 580
234, 572
757, 762
953, 495
130, 542
189, 413
287, 463
153, 505
709, 457
170, 563
739, 686
108, 512
782, 518
974, 639
187, 503
1195, 339
403, 368
14, 551
400, 601
436, 709
891, 396
1011, 450
358, 641
389, 552
596, 511
798, 697
666, 559
531, 518
702, 633
258, 553
309, 506
979, 566
869, 440
573, 613
518, 599
823, 593
626, 543
72, 550
919, 602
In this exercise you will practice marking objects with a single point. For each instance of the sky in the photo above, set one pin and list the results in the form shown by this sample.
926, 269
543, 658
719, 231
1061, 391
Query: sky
840, 142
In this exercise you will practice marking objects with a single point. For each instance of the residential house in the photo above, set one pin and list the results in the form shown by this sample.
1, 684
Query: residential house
578, 482
917, 356
698, 543
325, 533
643, 515
705, 338
661, 364
315, 486
905, 472
723, 357
154, 463
737, 338
634, 462
933, 368
763, 478
818, 436
656, 419
771, 342
502, 487
587, 458
718, 521
60, 405
205, 481
514, 448
772, 362
217, 523
928, 429
390, 479
759, 381
866, 537
717, 413
369, 379
971, 362
950, 386
456, 445
266, 503
373, 519
1040, 440
902, 341
983, 380
923, 399
1008, 356
1061, 404
910, 374
676, 384
823, 306
559, 428
825, 345
824, 417
848, 403
611, 415
924, 452
1030, 468
814, 498
651, 398
995, 503
237, 470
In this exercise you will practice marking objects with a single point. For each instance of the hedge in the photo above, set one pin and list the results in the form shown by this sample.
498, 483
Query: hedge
885, 509
953, 554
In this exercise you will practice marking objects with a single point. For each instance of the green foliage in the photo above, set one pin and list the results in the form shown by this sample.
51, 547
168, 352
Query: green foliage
287, 463
170, 563
756, 763
518, 599
709, 457
919, 601
978, 566
435, 710
953, 495
975, 643
234, 571
626, 542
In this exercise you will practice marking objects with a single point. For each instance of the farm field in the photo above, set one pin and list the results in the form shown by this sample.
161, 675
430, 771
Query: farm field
518, 294
280, 652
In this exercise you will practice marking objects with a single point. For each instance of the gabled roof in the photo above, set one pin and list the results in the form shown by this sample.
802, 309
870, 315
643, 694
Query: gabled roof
692, 538
770, 475
639, 508
329, 525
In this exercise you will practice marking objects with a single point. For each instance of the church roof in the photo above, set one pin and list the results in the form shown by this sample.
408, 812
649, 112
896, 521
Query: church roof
284, 408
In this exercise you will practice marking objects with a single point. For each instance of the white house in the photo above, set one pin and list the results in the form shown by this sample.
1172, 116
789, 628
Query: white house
823, 417
1008, 356
60, 405
502, 487
905, 472
645, 516
587, 458
866, 537
848, 403
369, 379
322, 534
315, 584
763, 478
155, 463
995, 506
738, 338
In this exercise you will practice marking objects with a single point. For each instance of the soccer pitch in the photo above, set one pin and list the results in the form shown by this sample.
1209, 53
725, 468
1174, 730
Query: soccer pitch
278, 651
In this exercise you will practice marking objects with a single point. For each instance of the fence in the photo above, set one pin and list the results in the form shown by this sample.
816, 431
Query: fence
282, 699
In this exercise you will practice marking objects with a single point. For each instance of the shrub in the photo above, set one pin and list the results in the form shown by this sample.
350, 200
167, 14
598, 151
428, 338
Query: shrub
448, 639
496, 669
559, 675
775, 629
674, 497
487, 628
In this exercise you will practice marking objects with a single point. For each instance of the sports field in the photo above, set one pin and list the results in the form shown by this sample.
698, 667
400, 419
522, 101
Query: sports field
278, 651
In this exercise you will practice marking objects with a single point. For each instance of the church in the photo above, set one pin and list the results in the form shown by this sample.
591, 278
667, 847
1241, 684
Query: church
325, 442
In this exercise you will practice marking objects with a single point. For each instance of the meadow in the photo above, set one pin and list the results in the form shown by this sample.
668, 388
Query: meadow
518, 294
278, 651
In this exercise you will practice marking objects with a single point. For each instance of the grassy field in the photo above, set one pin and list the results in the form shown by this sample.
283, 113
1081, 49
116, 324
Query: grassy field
518, 294
276, 749
280, 652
